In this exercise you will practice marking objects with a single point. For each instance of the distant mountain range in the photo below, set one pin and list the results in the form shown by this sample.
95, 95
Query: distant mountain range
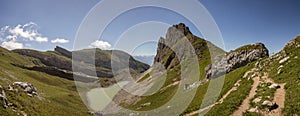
148, 59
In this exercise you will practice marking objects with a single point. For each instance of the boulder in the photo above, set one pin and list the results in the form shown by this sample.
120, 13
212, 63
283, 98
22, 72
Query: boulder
10, 88
253, 109
274, 86
268, 103
284, 60
271, 105
237, 85
256, 100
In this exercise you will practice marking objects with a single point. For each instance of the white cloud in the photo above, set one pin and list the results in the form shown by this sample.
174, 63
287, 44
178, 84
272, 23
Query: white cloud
11, 37
26, 34
100, 44
27, 31
12, 45
30, 24
60, 40
15, 37
41, 39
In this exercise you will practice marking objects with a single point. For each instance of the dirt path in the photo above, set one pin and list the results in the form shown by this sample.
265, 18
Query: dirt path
245, 105
234, 88
279, 98
219, 102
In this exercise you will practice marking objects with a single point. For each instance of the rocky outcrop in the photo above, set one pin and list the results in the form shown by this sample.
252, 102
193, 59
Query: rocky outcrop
27, 87
235, 59
3, 97
63, 51
60, 73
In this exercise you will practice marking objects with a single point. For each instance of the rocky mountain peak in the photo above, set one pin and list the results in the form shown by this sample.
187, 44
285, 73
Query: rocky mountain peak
167, 57
175, 33
165, 54
184, 29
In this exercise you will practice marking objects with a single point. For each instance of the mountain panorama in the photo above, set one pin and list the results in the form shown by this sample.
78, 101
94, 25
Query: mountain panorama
255, 83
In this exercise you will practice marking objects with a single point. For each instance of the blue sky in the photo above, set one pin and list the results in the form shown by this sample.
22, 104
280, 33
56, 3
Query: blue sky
55, 22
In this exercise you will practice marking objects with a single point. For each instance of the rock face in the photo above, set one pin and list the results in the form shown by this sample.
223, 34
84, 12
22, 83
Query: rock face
165, 54
235, 59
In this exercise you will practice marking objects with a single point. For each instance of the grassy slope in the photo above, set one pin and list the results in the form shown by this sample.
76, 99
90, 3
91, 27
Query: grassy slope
165, 95
291, 76
235, 99
231, 78
60, 95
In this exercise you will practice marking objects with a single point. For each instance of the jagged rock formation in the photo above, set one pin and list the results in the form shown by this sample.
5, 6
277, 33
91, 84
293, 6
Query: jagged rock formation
165, 55
168, 58
235, 59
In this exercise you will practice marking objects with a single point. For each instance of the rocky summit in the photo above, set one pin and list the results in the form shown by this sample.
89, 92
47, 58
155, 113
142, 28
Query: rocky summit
166, 46
165, 54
